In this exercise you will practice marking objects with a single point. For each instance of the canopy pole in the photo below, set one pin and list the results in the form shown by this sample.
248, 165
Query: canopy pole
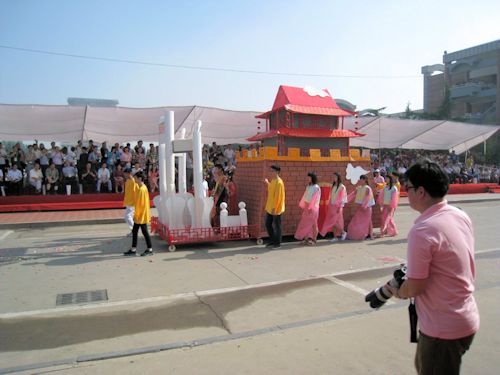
379, 149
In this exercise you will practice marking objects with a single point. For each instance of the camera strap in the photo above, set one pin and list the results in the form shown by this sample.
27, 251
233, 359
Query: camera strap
412, 311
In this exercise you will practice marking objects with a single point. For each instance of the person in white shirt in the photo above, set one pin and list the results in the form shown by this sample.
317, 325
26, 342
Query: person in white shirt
104, 177
229, 153
14, 179
36, 178
70, 177
71, 155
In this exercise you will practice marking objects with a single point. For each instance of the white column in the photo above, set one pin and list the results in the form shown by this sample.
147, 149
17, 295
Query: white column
162, 166
198, 175
169, 154
182, 167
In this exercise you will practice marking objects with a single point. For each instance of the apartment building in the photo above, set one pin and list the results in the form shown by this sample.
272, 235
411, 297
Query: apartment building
472, 77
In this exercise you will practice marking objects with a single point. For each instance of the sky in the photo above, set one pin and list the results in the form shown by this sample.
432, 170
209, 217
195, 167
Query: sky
369, 53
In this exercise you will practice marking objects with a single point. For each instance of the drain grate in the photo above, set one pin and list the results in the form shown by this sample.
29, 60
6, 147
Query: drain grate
82, 297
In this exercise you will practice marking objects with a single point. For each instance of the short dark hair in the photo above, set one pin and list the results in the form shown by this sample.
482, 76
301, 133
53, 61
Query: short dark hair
140, 175
314, 178
431, 176
276, 167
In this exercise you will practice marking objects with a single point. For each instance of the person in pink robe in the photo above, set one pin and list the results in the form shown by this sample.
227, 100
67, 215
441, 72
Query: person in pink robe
388, 201
307, 229
334, 219
361, 227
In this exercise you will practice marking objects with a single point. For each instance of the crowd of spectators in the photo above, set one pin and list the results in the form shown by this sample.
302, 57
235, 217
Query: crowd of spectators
91, 168
460, 169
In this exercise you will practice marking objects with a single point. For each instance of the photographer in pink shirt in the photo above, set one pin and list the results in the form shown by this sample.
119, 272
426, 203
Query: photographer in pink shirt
441, 272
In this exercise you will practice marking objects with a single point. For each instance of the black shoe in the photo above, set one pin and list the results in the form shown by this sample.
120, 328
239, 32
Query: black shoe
147, 252
130, 252
278, 246
270, 244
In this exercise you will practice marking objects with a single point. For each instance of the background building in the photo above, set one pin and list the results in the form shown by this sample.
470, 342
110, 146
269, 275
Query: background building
471, 76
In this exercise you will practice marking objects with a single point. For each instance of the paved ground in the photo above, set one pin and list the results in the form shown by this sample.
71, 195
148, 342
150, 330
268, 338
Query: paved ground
221, 308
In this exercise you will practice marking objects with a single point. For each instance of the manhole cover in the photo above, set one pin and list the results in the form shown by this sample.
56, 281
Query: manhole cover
82, 297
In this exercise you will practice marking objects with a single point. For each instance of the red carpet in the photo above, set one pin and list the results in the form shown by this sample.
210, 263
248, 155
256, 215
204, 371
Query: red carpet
62, 202
466, 189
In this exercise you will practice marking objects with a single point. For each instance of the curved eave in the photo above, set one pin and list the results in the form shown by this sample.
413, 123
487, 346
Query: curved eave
308, 110
305, 133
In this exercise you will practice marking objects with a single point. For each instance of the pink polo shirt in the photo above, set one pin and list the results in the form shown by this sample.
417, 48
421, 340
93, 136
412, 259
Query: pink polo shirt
441, 249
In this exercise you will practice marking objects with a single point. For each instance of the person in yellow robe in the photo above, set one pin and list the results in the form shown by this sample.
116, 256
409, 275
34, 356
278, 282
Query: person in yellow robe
142, 216
128, 198
275, 206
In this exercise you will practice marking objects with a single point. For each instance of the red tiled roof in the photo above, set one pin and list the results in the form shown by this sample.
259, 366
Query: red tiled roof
317, 110
305, 100
305, 133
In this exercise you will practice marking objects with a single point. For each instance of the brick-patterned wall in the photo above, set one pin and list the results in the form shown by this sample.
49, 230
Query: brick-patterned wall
251, 189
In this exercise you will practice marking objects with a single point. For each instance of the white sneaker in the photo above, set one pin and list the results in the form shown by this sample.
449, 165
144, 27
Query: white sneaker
334, 239
343, 237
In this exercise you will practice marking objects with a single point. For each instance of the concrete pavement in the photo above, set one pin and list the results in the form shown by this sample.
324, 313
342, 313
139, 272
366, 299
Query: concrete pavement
220, 308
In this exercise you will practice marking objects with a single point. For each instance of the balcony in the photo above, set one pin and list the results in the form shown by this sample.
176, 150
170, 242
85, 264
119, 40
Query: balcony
472, 89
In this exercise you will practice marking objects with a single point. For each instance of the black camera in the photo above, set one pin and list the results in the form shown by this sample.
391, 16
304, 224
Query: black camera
381, 295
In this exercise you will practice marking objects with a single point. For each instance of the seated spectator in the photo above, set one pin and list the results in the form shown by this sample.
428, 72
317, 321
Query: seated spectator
52, 179
153, 179
140, 158
136, 168
44, 160
104, 177
83, 159
126, 158
71, 155
119, 178
70, 177
3, 157
88, 179
2, 187
111, 159
14, 180
57, 159
93, 157
36, 178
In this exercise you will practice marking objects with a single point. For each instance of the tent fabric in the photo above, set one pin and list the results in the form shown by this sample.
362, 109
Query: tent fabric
121, 124
62, 123
386, 132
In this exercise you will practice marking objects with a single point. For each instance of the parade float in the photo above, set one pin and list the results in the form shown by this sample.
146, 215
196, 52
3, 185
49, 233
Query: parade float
184, 218
304, 132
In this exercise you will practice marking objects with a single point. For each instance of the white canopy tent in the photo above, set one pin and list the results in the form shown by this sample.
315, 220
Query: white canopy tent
386, 132
119, 124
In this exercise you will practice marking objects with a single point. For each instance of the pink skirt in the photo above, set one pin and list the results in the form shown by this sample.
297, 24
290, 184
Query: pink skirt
360, 226
388, 225
306, 224
334, 218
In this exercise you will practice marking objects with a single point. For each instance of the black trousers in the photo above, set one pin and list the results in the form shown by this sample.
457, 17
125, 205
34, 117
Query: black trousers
439, 356
145, 233
273, 226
